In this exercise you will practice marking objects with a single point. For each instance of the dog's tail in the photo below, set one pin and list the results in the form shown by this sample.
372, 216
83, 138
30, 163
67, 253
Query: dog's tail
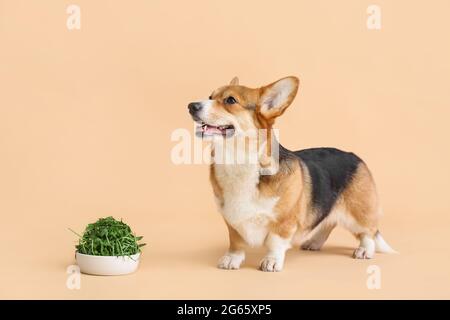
381, 245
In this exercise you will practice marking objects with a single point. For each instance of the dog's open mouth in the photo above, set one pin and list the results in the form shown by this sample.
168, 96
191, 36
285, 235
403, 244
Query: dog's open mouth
205, 129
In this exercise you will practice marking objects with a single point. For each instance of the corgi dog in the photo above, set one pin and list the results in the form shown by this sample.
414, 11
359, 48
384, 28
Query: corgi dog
302, 200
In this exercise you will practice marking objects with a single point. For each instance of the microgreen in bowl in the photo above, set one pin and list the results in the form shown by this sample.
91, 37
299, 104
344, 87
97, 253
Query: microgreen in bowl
108, 237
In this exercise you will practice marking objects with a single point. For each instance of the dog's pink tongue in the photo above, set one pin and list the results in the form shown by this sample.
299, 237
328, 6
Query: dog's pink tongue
212, 130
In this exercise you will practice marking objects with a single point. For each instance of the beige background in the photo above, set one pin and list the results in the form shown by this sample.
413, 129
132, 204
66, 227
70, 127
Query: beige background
86, 118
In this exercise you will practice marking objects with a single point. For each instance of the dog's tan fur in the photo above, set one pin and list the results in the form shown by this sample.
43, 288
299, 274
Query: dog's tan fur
361, 201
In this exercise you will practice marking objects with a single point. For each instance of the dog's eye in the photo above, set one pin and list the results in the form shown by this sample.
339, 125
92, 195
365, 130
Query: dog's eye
210, 98
230, 100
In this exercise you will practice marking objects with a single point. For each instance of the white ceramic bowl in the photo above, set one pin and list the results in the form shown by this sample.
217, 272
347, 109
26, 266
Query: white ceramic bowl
107, 265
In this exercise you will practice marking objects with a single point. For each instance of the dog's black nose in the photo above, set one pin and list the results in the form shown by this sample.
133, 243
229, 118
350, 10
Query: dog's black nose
194, 107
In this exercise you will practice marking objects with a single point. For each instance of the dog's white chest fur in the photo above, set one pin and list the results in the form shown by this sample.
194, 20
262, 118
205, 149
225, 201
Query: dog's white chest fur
243, 207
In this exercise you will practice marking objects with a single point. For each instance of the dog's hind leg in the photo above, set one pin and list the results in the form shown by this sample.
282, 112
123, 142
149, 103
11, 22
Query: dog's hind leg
318, 236
360, 211
366, 248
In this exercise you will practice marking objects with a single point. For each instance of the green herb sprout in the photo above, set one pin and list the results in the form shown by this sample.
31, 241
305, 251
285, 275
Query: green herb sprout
108, 237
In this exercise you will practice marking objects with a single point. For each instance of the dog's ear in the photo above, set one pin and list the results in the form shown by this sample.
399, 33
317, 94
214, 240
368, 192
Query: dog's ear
277, 96
234, 81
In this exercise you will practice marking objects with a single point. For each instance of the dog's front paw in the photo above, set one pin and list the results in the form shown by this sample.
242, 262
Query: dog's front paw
271, 264
231, 261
